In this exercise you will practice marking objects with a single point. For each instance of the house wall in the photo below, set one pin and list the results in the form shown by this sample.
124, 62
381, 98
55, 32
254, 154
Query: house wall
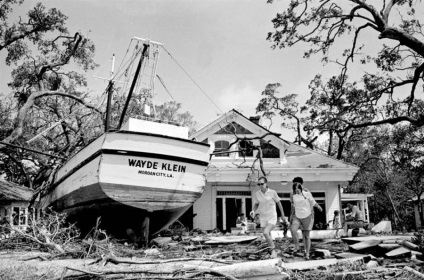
205, 206
205, 209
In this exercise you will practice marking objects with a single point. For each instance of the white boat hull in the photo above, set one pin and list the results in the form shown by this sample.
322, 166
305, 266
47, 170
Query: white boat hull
127, 176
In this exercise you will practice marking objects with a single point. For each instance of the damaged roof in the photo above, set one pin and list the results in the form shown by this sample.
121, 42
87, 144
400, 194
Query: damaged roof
295, 156
14, 192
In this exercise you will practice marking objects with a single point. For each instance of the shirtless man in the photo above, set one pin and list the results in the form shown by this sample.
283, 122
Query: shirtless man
355, 219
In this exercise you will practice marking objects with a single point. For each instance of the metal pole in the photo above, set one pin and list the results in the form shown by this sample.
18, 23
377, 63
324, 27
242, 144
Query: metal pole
137, 72
108, 105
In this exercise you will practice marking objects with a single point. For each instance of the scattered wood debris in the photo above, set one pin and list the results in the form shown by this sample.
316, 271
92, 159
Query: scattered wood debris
202, 255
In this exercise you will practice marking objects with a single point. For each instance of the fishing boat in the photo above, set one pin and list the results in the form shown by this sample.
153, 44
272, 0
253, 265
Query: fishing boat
142, 175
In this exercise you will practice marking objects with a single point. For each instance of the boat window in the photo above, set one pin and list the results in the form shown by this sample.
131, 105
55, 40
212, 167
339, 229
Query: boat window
221, 146
245, 148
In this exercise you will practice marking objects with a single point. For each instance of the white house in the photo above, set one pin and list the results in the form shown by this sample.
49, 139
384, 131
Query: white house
231, 181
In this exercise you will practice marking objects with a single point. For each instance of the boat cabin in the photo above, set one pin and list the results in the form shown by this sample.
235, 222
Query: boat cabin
232, 174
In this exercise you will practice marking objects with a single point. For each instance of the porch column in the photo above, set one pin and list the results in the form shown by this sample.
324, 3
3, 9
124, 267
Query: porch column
366, 210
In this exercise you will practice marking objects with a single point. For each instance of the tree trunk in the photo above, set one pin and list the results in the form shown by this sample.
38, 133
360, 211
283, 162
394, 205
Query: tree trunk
393, 207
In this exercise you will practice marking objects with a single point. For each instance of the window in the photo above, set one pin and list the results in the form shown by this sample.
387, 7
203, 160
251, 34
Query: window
15, 216
269, 151
221, 146
19, 216
246, 148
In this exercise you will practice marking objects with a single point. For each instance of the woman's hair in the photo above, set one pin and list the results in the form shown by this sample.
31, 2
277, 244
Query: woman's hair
336, 212
297, 185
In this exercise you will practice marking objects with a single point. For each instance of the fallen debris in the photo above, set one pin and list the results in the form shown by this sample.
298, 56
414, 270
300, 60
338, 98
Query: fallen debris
203, 255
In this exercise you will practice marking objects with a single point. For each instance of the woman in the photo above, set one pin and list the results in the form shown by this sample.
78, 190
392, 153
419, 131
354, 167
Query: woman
264, 202
302, 215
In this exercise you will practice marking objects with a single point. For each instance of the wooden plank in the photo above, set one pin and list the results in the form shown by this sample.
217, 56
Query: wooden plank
352, 240
348, 255
399, 253
281, 276
364, 245
416, 273
314, 234
307, 265
388, 247
230, 239
251, 269
409, 245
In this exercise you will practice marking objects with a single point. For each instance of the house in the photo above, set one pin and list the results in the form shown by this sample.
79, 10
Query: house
231, 176
14, 202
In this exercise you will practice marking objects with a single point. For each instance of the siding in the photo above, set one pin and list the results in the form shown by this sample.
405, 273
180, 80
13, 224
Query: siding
205, 208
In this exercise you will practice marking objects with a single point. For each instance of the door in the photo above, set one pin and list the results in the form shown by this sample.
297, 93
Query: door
228, 208
320, 219
219, 213
233, 208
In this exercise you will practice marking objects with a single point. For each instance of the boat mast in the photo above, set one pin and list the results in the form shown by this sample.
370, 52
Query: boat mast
108, 106
137, 72
109, 91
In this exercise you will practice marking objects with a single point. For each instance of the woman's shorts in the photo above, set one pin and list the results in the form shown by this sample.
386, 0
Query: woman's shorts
306, 223
267, 220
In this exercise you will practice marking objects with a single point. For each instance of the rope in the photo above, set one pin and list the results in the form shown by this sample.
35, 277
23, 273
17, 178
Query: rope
163, 84
192, 79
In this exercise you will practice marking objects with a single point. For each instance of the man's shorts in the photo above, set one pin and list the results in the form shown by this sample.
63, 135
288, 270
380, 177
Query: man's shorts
355, 224
306, 223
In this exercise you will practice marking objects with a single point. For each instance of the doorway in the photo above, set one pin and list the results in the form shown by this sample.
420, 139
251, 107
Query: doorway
228, 208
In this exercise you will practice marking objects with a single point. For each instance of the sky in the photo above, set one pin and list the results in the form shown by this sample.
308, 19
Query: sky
221, 44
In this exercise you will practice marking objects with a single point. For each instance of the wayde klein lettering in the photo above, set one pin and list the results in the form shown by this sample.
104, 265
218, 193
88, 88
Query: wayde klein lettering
154, 165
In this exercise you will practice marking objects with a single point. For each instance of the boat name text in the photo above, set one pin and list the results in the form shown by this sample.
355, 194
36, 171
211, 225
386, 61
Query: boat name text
155, 165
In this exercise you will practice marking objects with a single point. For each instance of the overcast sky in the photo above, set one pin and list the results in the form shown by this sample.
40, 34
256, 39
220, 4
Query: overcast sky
220, 43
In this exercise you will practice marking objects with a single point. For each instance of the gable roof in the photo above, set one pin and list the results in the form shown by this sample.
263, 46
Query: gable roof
296, 156
248, 125
14, 192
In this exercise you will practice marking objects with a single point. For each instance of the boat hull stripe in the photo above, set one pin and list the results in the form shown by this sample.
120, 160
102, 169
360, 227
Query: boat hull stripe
130, 153
154, 155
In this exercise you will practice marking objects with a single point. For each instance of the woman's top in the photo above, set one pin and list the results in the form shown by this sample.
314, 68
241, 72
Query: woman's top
303, 204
